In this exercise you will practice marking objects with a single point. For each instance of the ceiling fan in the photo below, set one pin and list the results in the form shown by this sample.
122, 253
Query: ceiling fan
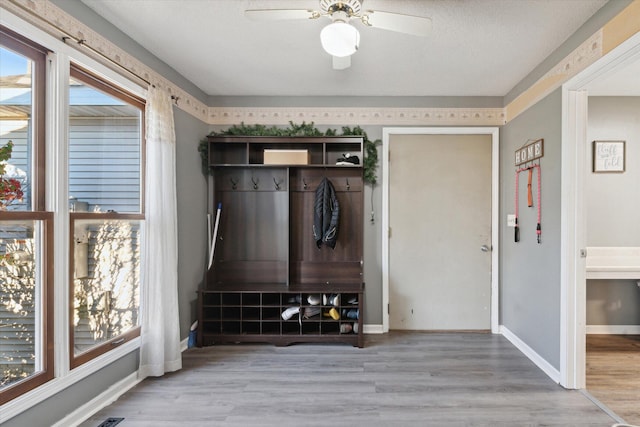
340, 39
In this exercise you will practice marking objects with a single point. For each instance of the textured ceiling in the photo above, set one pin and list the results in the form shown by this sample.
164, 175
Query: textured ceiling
476, 48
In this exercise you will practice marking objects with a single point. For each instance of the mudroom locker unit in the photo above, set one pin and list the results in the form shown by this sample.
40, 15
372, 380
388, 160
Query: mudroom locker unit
272, 280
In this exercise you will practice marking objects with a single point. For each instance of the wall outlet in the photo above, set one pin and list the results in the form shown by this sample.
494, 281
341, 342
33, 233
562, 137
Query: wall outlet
511, 220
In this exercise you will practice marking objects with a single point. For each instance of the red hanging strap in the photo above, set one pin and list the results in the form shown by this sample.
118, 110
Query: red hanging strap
529, 194
538, 226
516, 237
529, 200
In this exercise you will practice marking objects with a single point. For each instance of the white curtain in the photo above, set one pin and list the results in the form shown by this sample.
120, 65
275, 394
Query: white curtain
160, 336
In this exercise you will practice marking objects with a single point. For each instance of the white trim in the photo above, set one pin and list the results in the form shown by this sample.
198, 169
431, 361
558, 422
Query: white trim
573, 235
56, 385
571, 265
373, 329
57, 190
613, 329
184, 344
495, 201
539, 361
102, 400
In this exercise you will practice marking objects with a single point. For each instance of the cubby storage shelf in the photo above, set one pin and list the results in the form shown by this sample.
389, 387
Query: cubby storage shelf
266, 256
249, 150
246, 313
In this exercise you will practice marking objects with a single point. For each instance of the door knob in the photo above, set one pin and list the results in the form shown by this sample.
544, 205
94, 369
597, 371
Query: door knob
484, 248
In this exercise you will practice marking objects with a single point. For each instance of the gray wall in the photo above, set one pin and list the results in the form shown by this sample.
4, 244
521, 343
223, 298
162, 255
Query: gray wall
614, 302
614, 118
358, 101
530, 272
192, 210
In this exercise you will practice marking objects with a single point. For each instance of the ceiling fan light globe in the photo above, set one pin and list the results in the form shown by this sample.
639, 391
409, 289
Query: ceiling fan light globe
340, 39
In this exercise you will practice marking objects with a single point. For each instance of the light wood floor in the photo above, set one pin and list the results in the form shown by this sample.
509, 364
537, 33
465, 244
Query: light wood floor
398, 379
613, 373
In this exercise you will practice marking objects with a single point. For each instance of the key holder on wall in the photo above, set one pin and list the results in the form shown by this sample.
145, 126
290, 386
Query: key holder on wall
525, 160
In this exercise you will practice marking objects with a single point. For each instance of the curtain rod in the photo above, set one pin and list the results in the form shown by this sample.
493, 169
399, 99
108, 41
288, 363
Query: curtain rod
67, 36
82, 42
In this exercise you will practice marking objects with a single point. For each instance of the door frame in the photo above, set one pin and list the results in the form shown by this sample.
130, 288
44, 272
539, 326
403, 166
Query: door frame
573, 217
387, 132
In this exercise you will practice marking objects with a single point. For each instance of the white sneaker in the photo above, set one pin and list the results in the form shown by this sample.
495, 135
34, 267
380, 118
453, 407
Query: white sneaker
289, 312
332, 299
314, 299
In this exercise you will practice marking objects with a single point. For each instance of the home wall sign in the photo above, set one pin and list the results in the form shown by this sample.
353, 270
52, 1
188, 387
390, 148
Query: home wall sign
529, 152
608, 156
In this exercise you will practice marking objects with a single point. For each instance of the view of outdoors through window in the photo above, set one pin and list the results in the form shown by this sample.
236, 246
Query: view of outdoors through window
20, 326
105, 193
19, 322
106, 280
15, 122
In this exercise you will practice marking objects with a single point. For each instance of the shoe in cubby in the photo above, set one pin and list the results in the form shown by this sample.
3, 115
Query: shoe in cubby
333, 313
310, 312
331, 299
350, 313
289, 312
314, 299
346, 328
293, 299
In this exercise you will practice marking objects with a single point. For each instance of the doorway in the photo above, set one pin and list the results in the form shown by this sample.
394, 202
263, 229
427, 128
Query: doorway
398, 289
573, 221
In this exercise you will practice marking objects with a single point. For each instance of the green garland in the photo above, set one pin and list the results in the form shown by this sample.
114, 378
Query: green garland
370, 161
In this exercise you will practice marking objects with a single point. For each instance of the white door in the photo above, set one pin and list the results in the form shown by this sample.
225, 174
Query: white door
440, 232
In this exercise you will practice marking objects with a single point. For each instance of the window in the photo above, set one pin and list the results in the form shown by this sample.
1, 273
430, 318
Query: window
26, 230
105, 170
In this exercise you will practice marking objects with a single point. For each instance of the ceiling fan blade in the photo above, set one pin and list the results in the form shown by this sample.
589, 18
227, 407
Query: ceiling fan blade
280, 14
341, 62
408, 24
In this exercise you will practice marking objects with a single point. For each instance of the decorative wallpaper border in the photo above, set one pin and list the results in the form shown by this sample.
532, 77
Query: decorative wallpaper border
357, 116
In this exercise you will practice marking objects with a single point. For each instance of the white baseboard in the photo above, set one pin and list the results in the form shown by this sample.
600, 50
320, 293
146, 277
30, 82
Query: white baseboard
56, 385
372, 329
105, 398
102, 400
613, 329
541, 363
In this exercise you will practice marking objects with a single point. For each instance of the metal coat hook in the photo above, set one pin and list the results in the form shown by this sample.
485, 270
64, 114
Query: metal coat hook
348, 185
255, 182
234, 183
304, 182
277, 183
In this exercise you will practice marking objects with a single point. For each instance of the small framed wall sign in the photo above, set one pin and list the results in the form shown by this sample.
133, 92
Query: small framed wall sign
608, 156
